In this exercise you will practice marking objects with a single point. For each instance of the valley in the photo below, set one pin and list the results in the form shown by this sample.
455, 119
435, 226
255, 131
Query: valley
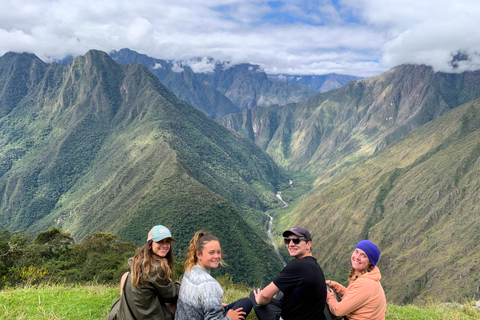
116, 143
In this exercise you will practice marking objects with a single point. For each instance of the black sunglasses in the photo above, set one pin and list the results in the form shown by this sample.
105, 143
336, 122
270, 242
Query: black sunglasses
295, 240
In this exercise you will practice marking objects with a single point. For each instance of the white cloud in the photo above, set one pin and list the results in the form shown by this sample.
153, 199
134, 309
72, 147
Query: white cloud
176, 67
201, 65
140, 33
358, 37
426, 32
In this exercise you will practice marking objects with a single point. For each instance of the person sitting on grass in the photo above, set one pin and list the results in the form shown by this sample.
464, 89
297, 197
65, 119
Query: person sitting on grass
364, 298
148, 290
299, 291
201, 295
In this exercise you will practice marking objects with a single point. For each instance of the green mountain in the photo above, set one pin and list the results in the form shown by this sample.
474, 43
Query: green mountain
247, 86
322, 83
183, 82
228, 89
331, 131
418, 200
100, 146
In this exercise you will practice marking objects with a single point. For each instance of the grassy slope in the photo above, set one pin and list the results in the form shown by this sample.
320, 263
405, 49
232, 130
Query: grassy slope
94, 302
417, 200
329, 132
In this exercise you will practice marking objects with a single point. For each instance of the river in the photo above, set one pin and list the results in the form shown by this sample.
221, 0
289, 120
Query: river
269, 228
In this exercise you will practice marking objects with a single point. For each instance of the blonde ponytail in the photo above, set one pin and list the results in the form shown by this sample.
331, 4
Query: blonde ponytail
196, 245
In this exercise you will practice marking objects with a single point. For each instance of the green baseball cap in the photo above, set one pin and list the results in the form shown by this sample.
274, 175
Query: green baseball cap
158, 233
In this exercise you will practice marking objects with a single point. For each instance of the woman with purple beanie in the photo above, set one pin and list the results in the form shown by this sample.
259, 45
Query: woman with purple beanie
364, 298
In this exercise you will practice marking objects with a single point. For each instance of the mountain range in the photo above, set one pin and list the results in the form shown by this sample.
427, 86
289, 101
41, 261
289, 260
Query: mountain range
104, 144
322, 83
226, 89
395, 160
100, 146
330, 131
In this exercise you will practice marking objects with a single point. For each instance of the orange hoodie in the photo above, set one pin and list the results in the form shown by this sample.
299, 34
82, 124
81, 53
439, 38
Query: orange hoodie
364, 299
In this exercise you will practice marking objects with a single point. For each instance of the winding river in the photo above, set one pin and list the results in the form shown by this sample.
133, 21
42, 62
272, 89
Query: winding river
269, 228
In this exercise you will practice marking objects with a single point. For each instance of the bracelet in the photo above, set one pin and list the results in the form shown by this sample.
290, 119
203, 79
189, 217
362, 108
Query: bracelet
227, 318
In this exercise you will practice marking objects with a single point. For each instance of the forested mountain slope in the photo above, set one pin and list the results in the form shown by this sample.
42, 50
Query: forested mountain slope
99, 146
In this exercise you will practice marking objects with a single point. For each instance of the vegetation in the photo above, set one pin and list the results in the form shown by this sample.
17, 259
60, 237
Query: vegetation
101, 147
93, 302
53, 257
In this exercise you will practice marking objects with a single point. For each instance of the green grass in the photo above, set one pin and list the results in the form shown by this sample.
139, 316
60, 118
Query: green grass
94, 302
57, 302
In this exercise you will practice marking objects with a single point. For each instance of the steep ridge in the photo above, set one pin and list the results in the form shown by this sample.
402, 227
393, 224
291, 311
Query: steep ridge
99, 146
247, 86
328, 132
183, 82
418, 200
322, 83
228, 89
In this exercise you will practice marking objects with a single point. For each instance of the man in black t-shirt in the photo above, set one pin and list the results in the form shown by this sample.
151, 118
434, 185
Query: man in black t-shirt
301, 282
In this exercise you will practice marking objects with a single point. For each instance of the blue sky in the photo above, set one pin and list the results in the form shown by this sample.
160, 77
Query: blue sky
356, 37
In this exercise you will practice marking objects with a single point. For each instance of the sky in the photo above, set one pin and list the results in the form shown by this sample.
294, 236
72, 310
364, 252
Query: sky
352, 37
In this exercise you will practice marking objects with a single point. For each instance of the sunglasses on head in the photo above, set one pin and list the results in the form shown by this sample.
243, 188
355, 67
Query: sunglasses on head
295, 240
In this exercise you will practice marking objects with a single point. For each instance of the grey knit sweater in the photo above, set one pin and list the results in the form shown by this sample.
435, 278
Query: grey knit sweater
200, 296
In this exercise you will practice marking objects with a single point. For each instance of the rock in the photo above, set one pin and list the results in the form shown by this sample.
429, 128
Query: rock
478, 304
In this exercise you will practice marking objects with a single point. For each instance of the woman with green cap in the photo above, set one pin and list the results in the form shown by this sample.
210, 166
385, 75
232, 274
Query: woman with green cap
148, 290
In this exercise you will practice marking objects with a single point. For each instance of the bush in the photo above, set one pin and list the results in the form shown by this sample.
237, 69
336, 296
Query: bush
53, 257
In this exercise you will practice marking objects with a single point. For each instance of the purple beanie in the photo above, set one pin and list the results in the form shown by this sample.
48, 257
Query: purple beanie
370, 249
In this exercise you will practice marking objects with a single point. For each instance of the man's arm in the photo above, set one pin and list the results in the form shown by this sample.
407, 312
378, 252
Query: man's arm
263, 297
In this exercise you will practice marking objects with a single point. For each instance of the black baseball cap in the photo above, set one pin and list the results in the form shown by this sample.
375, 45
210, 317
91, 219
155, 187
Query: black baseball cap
298, 231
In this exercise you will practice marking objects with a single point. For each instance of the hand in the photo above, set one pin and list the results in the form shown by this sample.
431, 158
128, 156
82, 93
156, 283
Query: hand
330, 295
256, 293
237, 314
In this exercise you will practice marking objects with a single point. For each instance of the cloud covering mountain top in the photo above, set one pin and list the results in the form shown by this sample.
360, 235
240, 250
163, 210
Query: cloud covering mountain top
357, 37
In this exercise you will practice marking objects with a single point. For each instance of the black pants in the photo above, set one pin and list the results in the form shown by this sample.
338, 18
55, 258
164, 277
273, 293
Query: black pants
270, 311
244, 303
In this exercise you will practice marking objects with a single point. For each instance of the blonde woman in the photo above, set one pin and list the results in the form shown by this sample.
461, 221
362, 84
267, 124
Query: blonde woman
201, 295
148, 290
364, 298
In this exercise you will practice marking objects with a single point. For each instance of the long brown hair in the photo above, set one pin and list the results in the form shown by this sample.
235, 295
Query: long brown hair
196, 245
144, 260
353, 277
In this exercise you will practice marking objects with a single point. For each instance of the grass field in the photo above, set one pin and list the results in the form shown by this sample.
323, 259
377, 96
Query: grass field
94, 301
